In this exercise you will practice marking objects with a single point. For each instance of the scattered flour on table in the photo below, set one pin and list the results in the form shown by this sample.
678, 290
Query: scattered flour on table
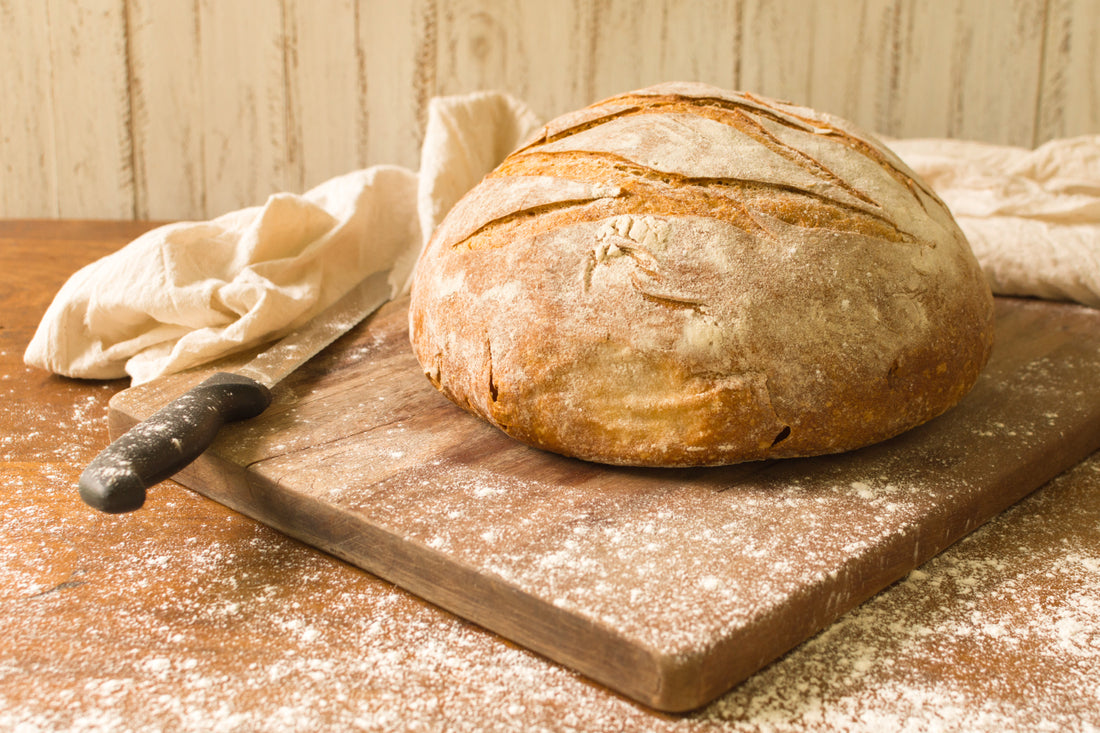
231, 636
239, 644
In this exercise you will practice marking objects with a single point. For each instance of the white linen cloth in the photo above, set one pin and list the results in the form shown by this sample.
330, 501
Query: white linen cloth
1032, 216
189, 293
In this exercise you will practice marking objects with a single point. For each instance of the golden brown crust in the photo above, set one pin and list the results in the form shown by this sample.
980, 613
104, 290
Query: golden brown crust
688, 276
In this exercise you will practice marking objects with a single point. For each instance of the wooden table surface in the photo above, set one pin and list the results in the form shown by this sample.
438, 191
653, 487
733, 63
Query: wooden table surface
188, 616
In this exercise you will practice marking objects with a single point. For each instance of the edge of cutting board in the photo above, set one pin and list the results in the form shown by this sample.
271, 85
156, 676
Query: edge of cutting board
667, 682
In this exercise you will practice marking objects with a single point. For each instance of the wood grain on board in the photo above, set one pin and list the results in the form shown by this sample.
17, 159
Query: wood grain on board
669, 586
139, 108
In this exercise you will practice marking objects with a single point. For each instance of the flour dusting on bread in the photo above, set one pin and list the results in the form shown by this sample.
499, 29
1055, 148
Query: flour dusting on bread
684, 275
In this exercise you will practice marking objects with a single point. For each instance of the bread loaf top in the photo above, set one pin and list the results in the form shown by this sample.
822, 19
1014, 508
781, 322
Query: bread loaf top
684, 275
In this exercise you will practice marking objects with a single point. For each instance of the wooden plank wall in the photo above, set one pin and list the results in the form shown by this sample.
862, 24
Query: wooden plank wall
171, 109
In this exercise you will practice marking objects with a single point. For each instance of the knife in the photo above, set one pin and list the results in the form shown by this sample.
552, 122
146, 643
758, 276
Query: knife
170, 439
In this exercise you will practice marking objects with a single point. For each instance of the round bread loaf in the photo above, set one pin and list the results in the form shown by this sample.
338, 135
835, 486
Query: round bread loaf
684, 276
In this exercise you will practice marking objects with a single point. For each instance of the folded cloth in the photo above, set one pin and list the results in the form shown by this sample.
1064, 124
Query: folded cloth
192, 292
189, 293
1032, 216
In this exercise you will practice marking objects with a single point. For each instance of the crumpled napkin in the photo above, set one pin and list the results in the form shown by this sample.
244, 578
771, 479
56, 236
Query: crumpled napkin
189, 293
1032, 216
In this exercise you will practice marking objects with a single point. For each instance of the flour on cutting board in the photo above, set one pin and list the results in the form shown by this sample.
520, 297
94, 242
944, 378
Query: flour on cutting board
675, 565
672, 569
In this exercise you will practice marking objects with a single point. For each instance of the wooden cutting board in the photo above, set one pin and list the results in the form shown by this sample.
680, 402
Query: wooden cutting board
670, 586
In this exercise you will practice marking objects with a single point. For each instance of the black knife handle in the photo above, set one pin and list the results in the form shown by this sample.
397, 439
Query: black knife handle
168, 440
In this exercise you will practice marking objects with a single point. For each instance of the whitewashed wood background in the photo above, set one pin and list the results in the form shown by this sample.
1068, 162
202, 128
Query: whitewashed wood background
169, 109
